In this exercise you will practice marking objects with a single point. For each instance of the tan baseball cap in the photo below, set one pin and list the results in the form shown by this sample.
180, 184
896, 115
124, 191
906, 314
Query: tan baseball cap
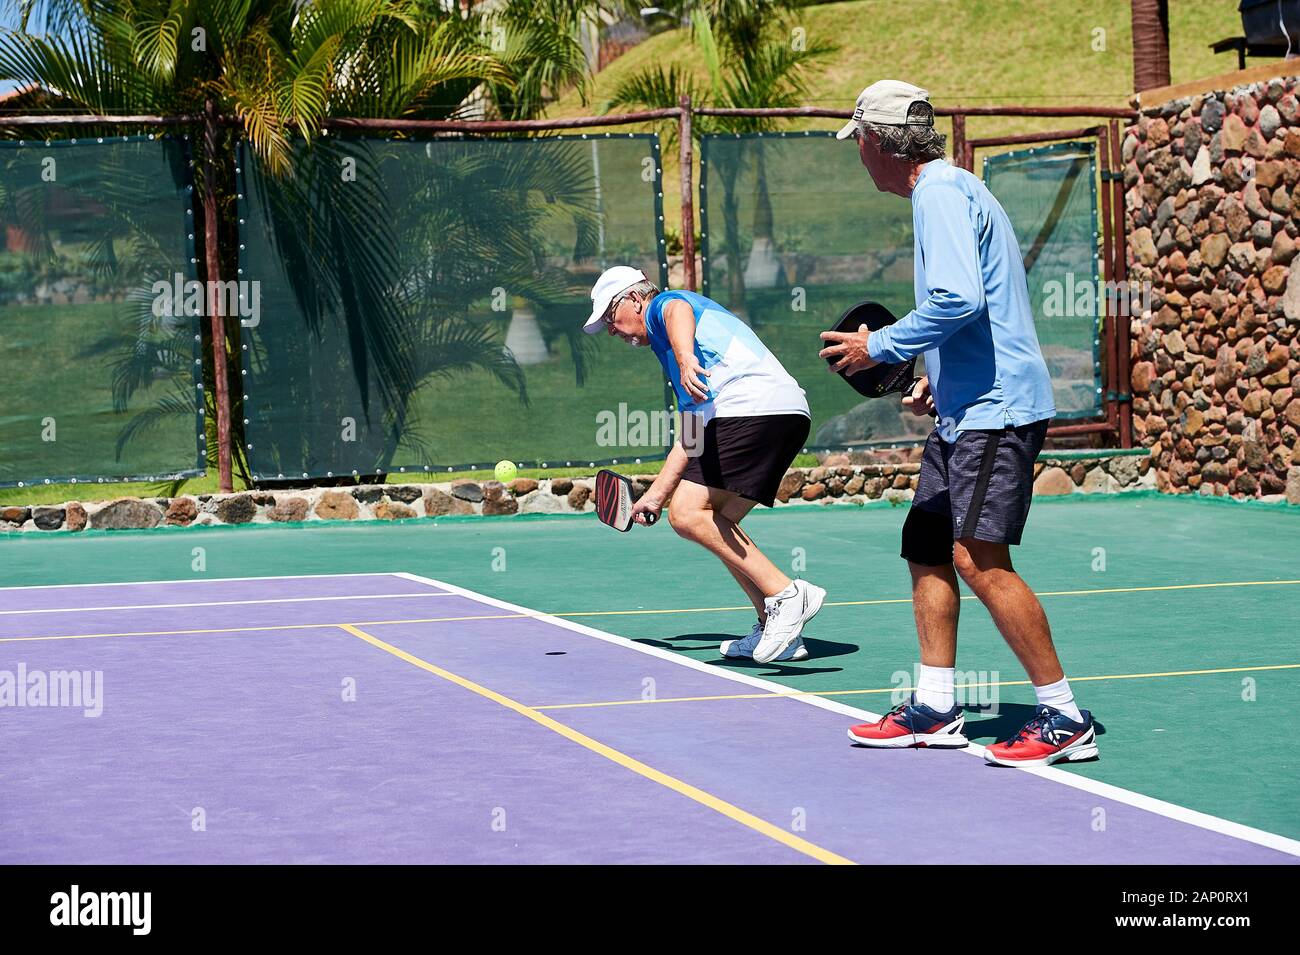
886, 102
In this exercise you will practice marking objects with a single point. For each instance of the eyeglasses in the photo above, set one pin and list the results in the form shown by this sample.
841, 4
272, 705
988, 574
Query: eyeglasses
608, 317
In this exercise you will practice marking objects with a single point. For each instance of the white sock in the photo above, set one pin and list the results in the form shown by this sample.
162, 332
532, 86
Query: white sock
934, 687
789, 591
1059, 697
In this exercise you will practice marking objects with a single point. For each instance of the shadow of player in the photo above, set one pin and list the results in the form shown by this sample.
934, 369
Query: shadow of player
817, 650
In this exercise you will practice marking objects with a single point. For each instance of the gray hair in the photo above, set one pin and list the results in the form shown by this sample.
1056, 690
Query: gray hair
918, 141
645, 288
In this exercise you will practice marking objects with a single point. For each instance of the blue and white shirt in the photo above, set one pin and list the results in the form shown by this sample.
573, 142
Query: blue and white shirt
745, 379
973, 320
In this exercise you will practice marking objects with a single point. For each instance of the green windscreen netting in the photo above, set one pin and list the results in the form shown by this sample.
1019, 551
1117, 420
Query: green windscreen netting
794, 234
1050, 196
418, 305
98, 367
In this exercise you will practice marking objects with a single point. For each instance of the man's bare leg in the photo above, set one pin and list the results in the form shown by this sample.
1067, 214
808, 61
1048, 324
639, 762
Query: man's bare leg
936, 605
735, 511
699, 514
752, 592
986, 568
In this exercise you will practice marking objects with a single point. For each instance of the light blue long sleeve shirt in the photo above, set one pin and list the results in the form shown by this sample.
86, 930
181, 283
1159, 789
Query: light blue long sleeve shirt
973, 320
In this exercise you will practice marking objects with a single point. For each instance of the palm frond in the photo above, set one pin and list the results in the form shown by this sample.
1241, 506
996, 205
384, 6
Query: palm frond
53, 16
709, 52
154, 45
175, 401
655, 87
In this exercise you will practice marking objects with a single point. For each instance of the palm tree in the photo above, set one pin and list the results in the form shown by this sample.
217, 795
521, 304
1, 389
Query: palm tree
281, 69
1150, 20
764, 70
538, 44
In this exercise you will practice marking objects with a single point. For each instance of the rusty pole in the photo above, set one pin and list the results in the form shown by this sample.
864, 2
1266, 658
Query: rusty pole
686, 157
1110, 326
959, 140
217, 320
1119, 245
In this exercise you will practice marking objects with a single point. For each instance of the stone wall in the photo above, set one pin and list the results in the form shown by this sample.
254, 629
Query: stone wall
835, 482
1212, 185
385, 502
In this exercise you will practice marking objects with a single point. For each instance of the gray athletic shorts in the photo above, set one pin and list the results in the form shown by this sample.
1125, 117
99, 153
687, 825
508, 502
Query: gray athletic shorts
978, 486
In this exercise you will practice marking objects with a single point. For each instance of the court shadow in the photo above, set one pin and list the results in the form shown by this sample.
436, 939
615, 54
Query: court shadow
772, 669
667, 642
982, 728
817, 650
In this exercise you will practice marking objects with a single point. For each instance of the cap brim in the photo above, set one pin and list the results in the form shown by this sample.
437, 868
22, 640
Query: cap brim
598, 309
847, 130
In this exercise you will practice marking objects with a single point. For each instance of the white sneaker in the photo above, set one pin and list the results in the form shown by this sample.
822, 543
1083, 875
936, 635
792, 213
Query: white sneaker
786, 615
744, 647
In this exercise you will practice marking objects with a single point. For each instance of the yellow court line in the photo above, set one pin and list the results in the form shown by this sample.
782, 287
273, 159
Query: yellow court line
909, 689
908, 600
732, 812
1142, 590
614, 613
748, 607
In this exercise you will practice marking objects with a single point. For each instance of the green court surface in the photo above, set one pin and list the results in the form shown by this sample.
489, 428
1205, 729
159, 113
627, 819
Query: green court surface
1175, 618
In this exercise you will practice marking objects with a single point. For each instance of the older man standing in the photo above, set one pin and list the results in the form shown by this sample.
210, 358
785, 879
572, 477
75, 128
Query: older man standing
989, 387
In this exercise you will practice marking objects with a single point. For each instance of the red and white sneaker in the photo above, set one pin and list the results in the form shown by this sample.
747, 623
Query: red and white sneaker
913, 724
1050, 737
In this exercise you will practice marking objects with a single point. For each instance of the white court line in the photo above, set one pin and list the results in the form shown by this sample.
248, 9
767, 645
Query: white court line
1169, 810
190, 580
231, 603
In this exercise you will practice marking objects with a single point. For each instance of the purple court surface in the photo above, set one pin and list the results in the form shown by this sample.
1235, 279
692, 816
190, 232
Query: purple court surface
387, 718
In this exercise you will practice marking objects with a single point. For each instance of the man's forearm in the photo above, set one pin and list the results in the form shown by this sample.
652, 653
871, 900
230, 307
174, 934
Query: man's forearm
670, 475
928, 326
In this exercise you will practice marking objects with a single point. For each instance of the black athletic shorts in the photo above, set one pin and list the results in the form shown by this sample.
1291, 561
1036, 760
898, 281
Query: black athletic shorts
747, 455
983, 482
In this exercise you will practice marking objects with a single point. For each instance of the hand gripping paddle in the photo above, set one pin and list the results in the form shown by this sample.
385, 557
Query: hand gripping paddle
614, 500
878, 380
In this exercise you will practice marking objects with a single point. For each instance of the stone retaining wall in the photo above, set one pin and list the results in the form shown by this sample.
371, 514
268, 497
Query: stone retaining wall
826, 484
1212, 206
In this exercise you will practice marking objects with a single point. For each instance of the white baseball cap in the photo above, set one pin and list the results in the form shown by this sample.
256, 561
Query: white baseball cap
612, 282
886, 102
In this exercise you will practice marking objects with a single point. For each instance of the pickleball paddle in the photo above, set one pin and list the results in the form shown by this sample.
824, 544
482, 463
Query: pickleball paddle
882, 379
614, 500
